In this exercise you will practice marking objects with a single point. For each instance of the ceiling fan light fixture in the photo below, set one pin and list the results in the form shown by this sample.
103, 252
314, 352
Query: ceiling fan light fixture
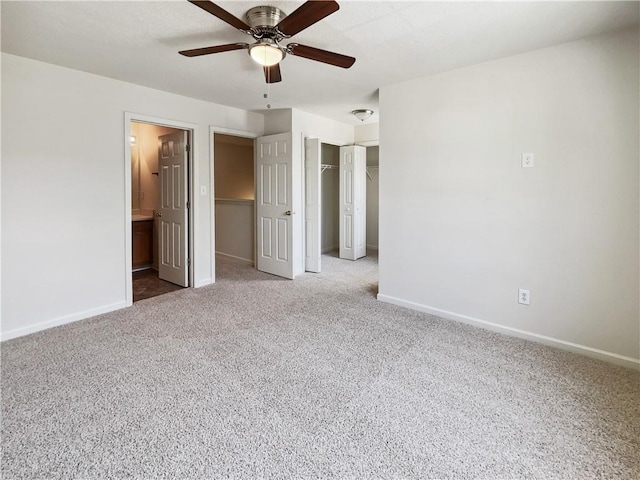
269, 26
362, 114
266, 52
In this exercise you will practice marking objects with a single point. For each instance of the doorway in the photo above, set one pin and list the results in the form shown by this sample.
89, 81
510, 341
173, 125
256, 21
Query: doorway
233, 171
330, 198
334, 174
234, 197
373, 194
160, 208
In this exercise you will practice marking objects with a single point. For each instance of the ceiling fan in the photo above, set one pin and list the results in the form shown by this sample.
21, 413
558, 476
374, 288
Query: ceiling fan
269, 26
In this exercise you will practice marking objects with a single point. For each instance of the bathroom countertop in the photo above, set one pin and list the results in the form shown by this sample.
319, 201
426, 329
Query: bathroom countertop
137, 217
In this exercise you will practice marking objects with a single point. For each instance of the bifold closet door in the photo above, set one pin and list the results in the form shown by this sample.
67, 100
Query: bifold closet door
353, 201
312, 208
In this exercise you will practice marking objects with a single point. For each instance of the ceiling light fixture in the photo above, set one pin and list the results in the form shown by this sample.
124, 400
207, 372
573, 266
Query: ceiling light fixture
266, 52
362, 114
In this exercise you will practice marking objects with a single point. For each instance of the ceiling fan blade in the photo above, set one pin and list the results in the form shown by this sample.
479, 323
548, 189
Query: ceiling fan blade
196, 52
221, 13
318, 55
306, 15
272, 73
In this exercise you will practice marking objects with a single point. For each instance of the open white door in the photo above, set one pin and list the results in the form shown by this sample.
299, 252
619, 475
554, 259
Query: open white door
313, 199
353, 202
173, 214
274, 205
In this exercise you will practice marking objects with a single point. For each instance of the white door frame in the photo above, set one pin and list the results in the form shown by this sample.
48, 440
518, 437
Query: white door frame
236, 133
312, 206
191, 128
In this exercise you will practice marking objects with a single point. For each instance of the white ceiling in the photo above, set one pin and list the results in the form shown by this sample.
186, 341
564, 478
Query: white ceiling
393, 41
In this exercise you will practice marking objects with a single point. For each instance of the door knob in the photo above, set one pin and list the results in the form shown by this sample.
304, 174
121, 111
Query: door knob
289, 212
158, 214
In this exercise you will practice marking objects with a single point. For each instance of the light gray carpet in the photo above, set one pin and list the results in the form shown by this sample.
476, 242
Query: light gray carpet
257, 377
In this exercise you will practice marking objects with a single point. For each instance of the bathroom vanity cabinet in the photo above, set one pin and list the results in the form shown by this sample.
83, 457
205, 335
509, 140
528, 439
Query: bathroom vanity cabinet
142, 242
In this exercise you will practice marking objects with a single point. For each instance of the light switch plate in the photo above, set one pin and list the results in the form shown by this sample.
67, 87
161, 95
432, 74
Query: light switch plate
528, 160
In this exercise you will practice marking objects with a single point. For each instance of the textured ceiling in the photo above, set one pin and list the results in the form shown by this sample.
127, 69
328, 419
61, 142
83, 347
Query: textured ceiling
393, 41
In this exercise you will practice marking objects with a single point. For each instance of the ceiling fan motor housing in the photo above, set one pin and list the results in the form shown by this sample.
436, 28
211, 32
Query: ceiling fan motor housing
264, 17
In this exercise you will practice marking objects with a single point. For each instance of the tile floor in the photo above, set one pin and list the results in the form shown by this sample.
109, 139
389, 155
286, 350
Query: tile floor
146, 284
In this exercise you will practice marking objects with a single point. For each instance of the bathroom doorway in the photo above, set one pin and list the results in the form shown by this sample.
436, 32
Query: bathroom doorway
160, 220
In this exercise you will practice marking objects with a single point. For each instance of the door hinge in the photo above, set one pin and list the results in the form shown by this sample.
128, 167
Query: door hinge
188, 147
188, 261
188, 205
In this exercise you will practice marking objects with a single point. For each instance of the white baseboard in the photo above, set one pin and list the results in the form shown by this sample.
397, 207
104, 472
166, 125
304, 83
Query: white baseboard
329, 249
247, 260
515, 332
56, 322
144, 267
203, 282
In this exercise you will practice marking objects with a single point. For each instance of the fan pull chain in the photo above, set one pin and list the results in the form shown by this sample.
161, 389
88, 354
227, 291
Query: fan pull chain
266, 95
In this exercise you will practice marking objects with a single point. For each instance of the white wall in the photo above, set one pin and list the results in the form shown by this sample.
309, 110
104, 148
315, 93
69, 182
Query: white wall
235, 228
367, 134
277, 121
327, 130
463, 226
63, 188
233, 167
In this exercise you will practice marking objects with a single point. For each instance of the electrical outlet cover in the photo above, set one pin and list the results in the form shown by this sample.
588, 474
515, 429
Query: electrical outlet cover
528, 160
524, 296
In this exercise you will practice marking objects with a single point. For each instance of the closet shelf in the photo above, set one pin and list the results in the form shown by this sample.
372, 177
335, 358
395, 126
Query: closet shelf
326, 166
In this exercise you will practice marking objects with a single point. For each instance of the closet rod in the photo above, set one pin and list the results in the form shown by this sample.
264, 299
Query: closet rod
325, 166
368, 173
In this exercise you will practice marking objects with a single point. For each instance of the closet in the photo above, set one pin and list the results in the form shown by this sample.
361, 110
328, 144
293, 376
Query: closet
330, 198
372, 197
234, 196
335, 202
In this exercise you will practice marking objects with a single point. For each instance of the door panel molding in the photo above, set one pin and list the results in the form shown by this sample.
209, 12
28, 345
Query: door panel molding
174, 214
353, 202
275, 229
